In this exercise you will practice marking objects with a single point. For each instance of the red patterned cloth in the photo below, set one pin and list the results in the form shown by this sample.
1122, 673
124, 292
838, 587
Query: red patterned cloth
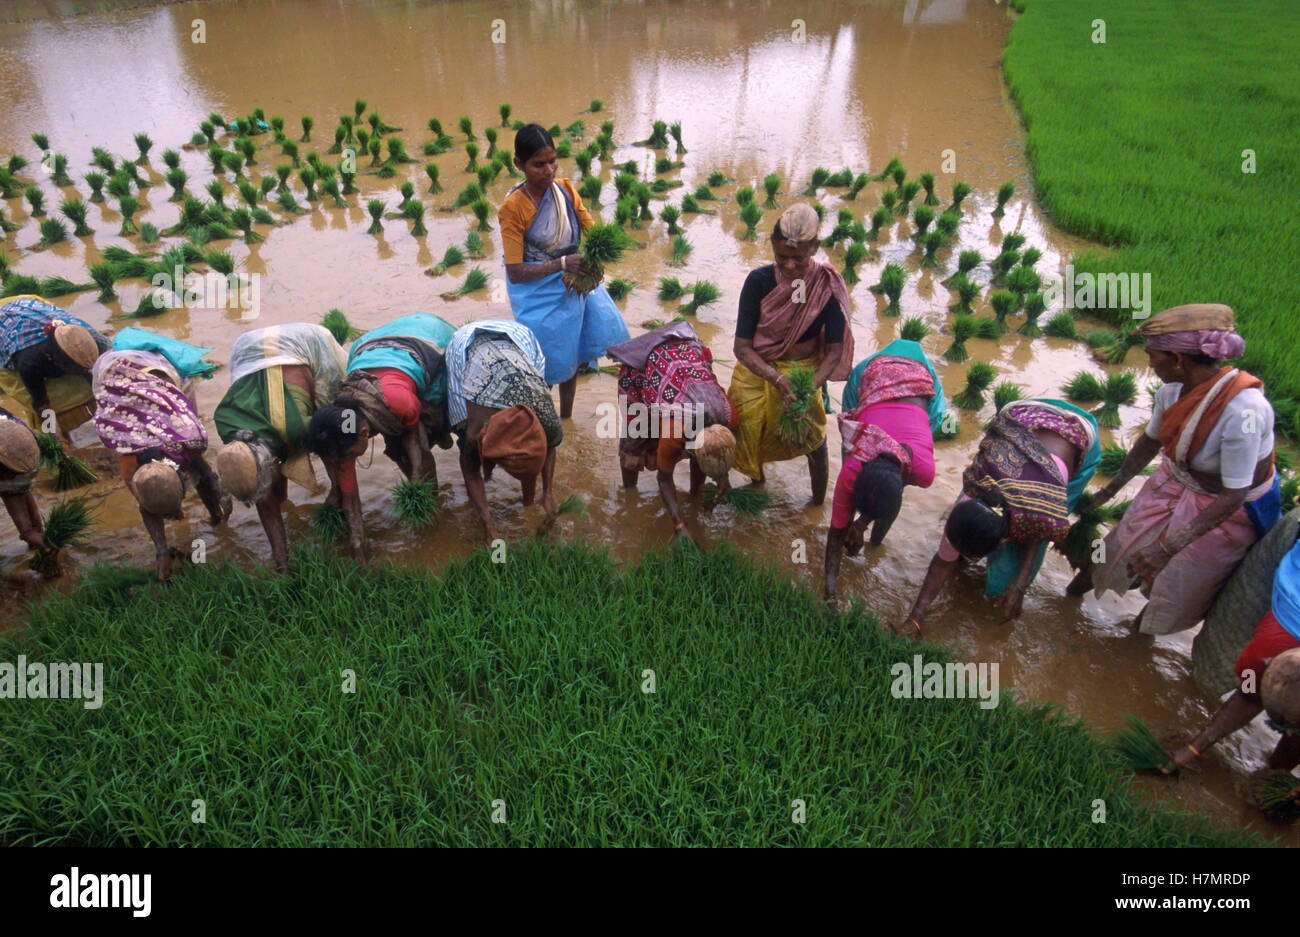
678, 381
888, 377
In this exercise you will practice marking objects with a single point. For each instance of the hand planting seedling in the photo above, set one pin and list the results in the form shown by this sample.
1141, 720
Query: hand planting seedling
892, 279
329, 522
795, 426
747, 500
1080, 539
65, 526
1138, 748
978, 378
963, 329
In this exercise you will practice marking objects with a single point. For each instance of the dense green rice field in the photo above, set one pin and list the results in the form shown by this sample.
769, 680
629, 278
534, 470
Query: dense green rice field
522, 683
1138, 143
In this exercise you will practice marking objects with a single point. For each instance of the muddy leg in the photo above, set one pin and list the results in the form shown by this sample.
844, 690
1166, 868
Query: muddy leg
1287, 754
1081, 584
567, 391
819, 468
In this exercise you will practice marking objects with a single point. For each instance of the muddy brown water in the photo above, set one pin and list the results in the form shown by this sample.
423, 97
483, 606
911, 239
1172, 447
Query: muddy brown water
870, 81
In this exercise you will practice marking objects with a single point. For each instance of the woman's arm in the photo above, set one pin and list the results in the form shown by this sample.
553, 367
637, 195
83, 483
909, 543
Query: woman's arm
548, 480
834, 547
746, 355
27, 518
935, 576
830, 358
527, 273
469, 470
1013, 596
1138, 458
341, 472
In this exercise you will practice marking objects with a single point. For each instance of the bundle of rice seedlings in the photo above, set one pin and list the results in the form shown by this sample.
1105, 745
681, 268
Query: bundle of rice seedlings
1005, 191
746, 500
467, 128
691, 206
363, 141
307, 176
242, 219
947, 223
601, 244
450, 258
1004, 304
606, 144
1083, 388
1278, 794
959, 192
1035, 304
623, 182
1030, 256
855, 254
880, 218
681, 250
96, 182
641, 192
573, 505
1080, 539
619, 288
1005, 392
927, 183
1023, 281
59, 170
475, 280
658, 138
233, 162
415, 503
744, 196
307, 124
128, 206
249, 193
471, 150
963, 329
375, 148
1061, 325
414, 213
978, 378
1137, 747
905, 196
703, 293
1112, 458
69, 471
893, 165
473, 244
675, 130
583, 162
65, 526
670, 214
819, 177
468, 195
889, 200
892, 279
482, 211
340, 135
376, 209
61, 286
793, 427
248, 149
914, 329
98, 157
378, 126
287, 202
129, 168
625, 213
119, 184
337, 322
74, 209
144, 144
329, 522
771, 185
17, 284
590, 190
1118, 389
922, 218
663, 164
751, 214
842, 231
104, 274
1116, 351
277, 126
967, 292
670, 288
898, 175
36, 199
504, 110
1002, 264
932, 242
52, 232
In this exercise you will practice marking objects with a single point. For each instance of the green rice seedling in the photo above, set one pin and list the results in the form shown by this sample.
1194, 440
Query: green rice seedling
1006, 392
889, 200
899, 175
144, 144
431, 170
482, 211
397, 151
959, 192
1035, 304
152, 303
590, 190
221, 262
1030, 256
658, 138
606, 144
216, 191
491, 134
670, 215
717, 178
704, 194
358, 109
602, 244
504, 110
473, 244
948, 222
619, 288
663, 164
963, 329
307, 176
307, 124
242, 219
744, 196
59, 171
467, 128
52, 232
880, 218
1003, 263
583, 162
1112, 458
1022, 281
691, 206
265, 186
855, 254
892, 279
1013, 241
99, 157
793, 426
348, 123
1004, 304
17, 284
1097, 338
329, 522
468, 195
378, 126
74, 209
277, 127
675, 130
96, 182
176, 178
979, 376
415, 503
751, 214
1061, 325
340, 134
363, 141
209, 131
914, 329
819, 177
7, 226
989, 328
331, 188
336, 321
746, 499
771, 185
248, 149
967, 292
623, 183
234, 163
680, 251
1083, 388
66, 526
376, 209
572, 505
1136, 746
69, 471
703, 293
217, 158
450, 258
17, 163
576, 129
36, 199
407, 191
1118, 389
857, 185
932, 242
128, 206
475, 280
927, 183
670, 289
1005, 191
348, 175
641, 192
1278, 794
922, 217
905, 196
842, 229
1115, 352
104, 274
890, 167
840, 180
249, 193
607, 127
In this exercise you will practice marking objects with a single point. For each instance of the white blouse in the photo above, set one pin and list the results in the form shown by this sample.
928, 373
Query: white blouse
1243, 435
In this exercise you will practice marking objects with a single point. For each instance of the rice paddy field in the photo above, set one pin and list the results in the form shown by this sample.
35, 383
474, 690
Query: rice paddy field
943, 142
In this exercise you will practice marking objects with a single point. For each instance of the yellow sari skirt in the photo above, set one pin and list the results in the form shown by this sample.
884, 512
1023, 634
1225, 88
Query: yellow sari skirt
70, 399
759, 408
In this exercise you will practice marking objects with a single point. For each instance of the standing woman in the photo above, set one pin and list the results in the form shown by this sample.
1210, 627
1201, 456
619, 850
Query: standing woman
1031, 466
1214, 493
542, 219
793, 311
144, 412
893, 403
